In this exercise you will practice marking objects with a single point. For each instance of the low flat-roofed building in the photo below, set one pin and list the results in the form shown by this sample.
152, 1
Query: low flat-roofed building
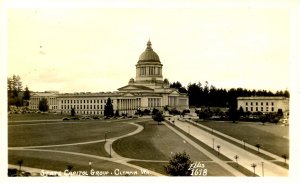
263, 104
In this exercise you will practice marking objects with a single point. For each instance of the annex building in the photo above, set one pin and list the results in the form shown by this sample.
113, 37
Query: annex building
147, 91
263, 104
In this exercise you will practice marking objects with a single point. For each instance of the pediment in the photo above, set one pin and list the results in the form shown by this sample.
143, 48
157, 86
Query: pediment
135, 88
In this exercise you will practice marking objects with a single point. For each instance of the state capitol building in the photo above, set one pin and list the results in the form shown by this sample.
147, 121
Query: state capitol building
147, 91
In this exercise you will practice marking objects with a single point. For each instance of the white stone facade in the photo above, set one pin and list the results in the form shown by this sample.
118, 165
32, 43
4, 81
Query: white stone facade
263, 104
147, 91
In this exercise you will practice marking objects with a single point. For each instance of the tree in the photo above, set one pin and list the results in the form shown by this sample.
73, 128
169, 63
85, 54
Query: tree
26, 95
117, 113
73, 112
218, 146
43, 105
108, 108
179, 165
285, 157
154, 111
236, 157
20, 162
158, 117
258, 146
253, 165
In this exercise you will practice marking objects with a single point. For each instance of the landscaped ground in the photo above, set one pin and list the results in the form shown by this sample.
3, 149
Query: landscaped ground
271, 137
59, 161
35, 116
155, 142
64, 132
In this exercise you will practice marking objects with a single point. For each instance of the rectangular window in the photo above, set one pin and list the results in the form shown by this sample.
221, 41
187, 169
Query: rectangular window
97, 106
101, 101
266, 103
87, 107
91, 101
256, 103
272, 103
87, 101
256, 108
83, 106
62, 101
267, 109
262, 103
83, 101
246, 103
71, 101
272, 109
251, 108
94, 101
98, 101
251, 103
91, 106
101, 106
262, 109
68, 101
246, 108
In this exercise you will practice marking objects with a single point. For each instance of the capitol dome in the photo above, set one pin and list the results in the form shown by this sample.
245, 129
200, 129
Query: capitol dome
149, 54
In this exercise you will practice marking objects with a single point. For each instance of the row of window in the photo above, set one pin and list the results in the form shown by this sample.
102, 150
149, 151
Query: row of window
82, 106
150, 71
84, 101
256, 103
261, 109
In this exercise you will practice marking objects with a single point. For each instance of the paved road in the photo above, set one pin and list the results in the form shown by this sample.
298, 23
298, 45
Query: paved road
245, 158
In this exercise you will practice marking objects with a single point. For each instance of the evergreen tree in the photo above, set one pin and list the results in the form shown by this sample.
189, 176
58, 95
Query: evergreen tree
73, 112
43, 105
108, 108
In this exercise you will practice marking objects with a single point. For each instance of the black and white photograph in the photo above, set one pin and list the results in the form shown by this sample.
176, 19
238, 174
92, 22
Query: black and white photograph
94, 90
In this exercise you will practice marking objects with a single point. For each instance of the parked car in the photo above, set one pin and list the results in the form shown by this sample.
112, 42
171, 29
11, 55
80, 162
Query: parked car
64, 119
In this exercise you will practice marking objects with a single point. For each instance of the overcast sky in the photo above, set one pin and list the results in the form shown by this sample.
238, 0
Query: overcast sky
96, 49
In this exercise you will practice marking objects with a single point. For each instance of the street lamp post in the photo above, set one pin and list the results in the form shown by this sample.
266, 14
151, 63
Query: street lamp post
262, 168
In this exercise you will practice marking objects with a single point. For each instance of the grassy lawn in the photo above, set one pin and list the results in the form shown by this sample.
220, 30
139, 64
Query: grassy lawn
271, 137
203, 145
213, 169
155, 142
281, 163
35, 116
50, 134
243, 170
93, 149
59, 162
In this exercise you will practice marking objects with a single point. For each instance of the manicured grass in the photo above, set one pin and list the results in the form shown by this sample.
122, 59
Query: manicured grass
282, 164
205, 146
271, 137
241, 169
93, 149
153, 166
35, 116
155, 142
237, 144
51, 134
59, 162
